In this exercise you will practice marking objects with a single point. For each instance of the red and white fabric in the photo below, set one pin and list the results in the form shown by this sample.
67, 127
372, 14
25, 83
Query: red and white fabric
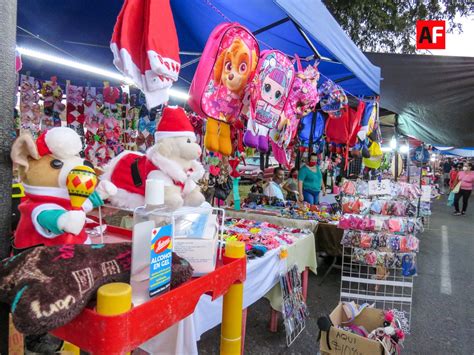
145, 47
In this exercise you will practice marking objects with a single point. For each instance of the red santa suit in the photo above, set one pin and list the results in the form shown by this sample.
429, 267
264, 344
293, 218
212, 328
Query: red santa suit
129, 170
38, 199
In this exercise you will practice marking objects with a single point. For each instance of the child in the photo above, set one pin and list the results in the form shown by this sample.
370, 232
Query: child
258, 187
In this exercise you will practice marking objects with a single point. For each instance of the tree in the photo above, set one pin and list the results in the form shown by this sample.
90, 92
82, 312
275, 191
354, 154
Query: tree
390, 25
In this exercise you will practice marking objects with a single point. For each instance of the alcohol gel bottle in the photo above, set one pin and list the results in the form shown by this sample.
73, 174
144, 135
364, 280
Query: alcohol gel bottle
152, 245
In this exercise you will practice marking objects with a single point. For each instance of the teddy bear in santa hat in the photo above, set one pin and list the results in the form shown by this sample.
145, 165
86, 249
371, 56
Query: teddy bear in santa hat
173, 158
47, 216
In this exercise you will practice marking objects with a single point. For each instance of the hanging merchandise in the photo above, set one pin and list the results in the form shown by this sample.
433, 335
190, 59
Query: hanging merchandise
302, 99
342, 128
129, 121
111, 116
303, 96
75, 108
217, 91
294, 307
52, 95
96, 150
146, 127
270, 89
145, 47
376, 155
305, 130
379, 243
332, 98
30, 110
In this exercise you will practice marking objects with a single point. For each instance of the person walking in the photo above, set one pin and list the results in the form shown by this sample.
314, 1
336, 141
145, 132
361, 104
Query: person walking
447, 165
310, 181
291, 185
466, 178
453, 175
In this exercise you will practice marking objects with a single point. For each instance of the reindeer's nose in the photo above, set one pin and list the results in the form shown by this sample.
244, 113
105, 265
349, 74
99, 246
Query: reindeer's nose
230, 76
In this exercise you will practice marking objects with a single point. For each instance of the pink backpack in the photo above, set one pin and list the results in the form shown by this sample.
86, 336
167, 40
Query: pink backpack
227, 64
302, 99
270, 88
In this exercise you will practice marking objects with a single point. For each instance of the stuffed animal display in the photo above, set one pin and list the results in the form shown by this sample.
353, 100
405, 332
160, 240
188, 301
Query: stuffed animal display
47, 216
173, 159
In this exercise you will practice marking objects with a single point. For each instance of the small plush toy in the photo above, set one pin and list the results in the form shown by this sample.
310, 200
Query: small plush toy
47, 216
173, 159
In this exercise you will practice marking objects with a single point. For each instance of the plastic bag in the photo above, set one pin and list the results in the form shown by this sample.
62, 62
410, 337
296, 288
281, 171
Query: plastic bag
451, 198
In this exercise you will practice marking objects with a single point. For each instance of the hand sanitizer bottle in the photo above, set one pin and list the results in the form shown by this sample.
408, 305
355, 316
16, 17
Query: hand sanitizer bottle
152, 245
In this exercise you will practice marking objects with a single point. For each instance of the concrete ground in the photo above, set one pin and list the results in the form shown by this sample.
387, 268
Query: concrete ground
442, 313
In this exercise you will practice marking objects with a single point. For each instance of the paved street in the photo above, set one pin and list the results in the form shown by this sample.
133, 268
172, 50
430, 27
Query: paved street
442, 314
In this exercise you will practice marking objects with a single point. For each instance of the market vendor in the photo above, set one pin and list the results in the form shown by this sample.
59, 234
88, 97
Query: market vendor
273, 188
291, 185
310, 181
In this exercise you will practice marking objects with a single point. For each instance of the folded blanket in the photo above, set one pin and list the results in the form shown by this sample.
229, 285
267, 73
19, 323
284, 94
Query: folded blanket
47, 287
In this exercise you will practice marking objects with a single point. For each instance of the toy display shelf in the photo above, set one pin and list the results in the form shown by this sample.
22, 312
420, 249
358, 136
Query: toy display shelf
99, 334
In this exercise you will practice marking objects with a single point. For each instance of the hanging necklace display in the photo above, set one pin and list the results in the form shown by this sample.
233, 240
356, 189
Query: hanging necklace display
294, 307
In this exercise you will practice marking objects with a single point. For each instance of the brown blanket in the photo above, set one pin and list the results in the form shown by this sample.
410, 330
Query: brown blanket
48, 286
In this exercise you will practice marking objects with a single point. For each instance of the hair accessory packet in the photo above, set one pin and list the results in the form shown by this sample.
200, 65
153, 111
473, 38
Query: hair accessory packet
405, 261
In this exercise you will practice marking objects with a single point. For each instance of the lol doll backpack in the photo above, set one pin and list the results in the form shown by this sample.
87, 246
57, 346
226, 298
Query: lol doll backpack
227, 64
271, 87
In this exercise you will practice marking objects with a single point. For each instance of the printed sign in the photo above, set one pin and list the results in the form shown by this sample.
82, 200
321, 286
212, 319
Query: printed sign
421, 155
160, 261
377, 187
430, 35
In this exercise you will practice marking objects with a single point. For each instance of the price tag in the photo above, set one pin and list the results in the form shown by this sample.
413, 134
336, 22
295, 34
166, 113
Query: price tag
426, 193
379, 187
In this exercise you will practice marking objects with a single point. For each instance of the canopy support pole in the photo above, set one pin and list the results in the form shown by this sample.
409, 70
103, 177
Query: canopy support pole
270, 26
312, 46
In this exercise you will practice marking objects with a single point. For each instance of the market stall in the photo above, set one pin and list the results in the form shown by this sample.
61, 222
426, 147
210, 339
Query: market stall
146, 156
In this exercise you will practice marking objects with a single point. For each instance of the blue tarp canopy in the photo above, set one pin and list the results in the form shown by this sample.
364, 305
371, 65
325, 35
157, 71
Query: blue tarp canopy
83, 29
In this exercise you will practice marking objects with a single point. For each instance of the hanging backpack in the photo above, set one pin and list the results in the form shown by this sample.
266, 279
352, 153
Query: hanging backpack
226, 66
342, 128
270, 88
376, 156
302, 99
305, 129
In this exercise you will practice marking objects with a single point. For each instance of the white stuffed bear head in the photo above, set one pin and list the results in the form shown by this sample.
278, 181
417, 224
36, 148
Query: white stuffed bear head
179, 148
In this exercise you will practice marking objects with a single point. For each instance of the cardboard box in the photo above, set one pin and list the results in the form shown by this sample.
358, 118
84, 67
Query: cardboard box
343, 342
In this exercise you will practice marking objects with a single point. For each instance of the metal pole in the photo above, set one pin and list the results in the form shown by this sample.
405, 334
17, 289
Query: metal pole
232, 306
8, 10
311, 133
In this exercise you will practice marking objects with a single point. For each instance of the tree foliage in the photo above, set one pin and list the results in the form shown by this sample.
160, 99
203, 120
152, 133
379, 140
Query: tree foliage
390, 25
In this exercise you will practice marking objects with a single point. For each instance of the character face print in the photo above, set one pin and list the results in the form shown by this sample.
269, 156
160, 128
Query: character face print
233, 66
272, 92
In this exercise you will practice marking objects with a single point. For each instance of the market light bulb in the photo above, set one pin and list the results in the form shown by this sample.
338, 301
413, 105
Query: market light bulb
404, 149
386, 149
393, 143
433, 159
89, 68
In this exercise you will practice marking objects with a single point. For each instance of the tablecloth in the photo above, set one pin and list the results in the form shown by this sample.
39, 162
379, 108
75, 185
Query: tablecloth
262, 277
328, 239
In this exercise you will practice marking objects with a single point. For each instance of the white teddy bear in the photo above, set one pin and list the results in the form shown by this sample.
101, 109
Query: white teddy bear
173, 159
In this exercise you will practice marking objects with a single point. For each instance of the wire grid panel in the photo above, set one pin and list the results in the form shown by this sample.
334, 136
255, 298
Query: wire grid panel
386, 287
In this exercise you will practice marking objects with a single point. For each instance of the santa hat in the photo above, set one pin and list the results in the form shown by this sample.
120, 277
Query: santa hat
62, 142
174, 123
